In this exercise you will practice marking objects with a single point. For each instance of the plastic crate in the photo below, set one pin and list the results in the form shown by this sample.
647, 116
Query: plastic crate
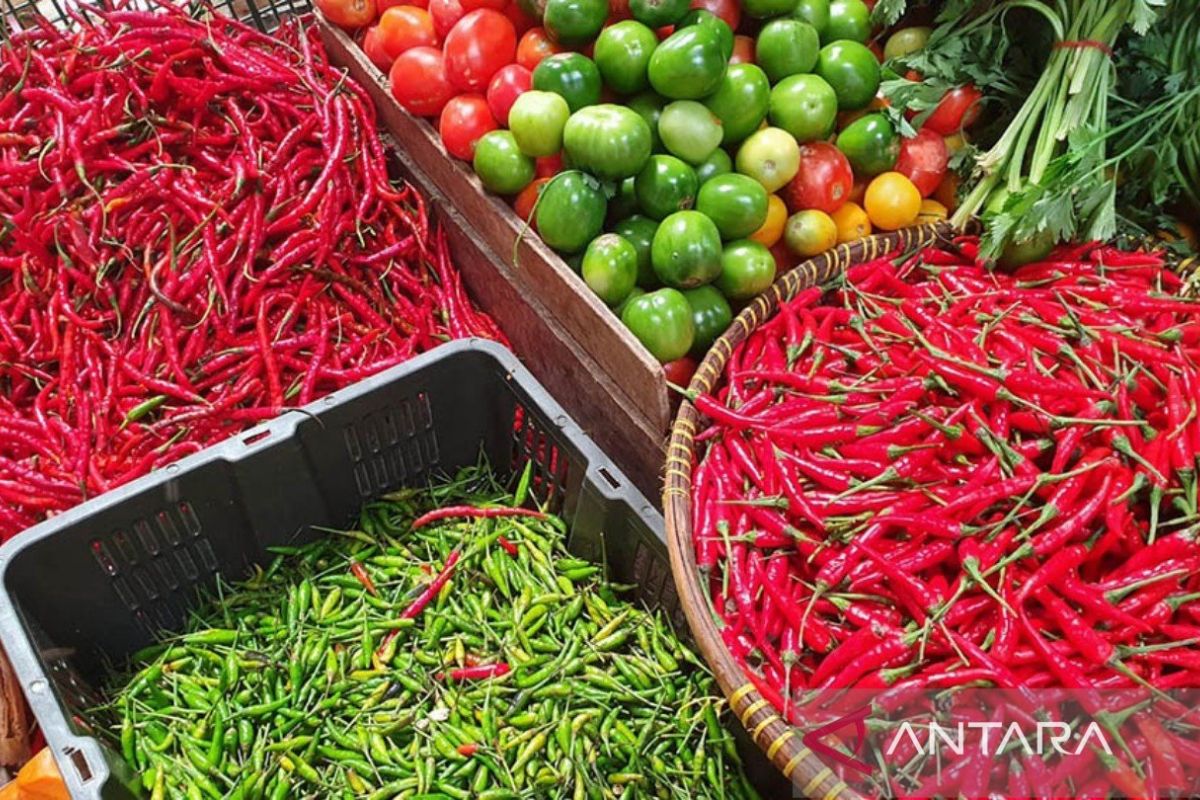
266, 15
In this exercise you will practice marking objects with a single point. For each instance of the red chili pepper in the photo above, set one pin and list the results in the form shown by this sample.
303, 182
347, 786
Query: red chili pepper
508, 546
360, 572
473, 512
479, 672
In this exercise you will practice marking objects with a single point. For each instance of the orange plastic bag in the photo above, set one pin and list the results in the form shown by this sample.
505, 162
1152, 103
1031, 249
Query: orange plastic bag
39, 779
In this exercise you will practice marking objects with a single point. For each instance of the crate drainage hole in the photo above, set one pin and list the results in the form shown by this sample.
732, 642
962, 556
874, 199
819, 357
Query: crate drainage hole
254, 438
613, 482
79, 760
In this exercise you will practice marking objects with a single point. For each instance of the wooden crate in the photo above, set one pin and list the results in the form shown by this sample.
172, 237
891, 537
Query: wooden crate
570, 340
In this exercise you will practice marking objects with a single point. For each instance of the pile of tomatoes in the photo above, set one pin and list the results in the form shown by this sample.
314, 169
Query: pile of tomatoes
678, 153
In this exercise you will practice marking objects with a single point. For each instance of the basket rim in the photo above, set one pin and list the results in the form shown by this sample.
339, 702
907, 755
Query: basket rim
778, 739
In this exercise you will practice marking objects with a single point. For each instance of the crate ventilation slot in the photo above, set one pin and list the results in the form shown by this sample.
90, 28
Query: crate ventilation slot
548, 481
388, 448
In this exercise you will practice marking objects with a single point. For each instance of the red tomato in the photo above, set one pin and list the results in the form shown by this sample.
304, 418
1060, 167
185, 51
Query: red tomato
785, 259
824, 181
523, 202
419, 81
471, 5
384, 5
728, 10
477, 46
464, 119
535, 45
923, 160
743, 50
520, 20
348, 14
619, 8
507, 85
403, 28
680, 371
372, 45
446, 14
549, 166
959, 109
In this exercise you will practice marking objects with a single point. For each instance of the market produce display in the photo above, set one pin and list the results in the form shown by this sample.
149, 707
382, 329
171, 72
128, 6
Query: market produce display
448, 646
198, 231
937, 476
722, 142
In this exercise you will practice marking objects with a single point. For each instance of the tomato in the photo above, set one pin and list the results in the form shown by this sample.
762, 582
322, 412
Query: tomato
500, 164
609, 141
871, 144
680, 371
852, 222
623, 55
665, 185
787, 47
477, 47
574, 22
405, 27
932, 211
906, 41
772, 229
495, 5
383, 5
689, 130
525, 200
958, 109
348, 14
521, 21
372, 45
662, 321
923, 160
445, 14
711, 315
815, 13
740, 101
534, 9
639, 232
768, 8
505, 87
892, 201
810, 232
619, 309
686, 250
947, 191
689, 64
657, 13
464, 120
549, 166
743, 50
728, 10
1026, 251
848, 19
622, 202
536, 120
609, 268
418, 79
747, 269
718, 163
649, 107
851, 69
770, 156
571, 212
824, 181
571, 75
805, 106
736, 203
535, 44
714, 23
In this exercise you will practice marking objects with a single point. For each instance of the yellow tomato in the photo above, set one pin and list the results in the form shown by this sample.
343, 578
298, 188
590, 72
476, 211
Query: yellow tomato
932, 211
892, 201
852, 222
772, 229
810, 232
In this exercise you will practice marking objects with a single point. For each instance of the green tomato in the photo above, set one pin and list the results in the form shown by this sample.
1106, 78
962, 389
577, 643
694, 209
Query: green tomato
686, 250
848, 19
805, 106
658, 13
639, 232
737, 204
500, 164
662, 322
700, 16
624, 202
787, 47
851, 69
571, 75
719, 163
771, 156
623, 53
747, 270
609, 268
906, 41
688, 64
609, 141
570, 211
1026, 251
636, 292
536, 121
815, 13
574, 21
649, 107
870, 144
689, 130
768, 8
740, 101
711, 315
665, 185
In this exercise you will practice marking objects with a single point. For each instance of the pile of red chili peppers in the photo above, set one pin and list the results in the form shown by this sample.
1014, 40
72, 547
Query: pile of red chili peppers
941, 476
196, 230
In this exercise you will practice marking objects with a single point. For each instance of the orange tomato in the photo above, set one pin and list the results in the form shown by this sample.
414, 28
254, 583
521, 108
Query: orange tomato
403, 28
384, 5
772, 229
535, 45
947, 191
852, 222
523, 203
892, 201
743, 50
348, 14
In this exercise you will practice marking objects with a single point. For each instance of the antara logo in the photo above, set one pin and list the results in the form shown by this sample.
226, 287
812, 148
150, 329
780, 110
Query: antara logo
1049, 737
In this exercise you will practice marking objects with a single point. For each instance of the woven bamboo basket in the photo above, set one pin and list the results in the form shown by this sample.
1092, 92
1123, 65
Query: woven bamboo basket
780, 741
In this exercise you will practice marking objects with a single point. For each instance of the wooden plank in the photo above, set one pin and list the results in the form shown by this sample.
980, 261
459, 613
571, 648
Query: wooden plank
538, 271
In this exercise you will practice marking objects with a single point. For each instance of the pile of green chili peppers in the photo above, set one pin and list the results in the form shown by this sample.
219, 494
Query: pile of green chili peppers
523, 676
